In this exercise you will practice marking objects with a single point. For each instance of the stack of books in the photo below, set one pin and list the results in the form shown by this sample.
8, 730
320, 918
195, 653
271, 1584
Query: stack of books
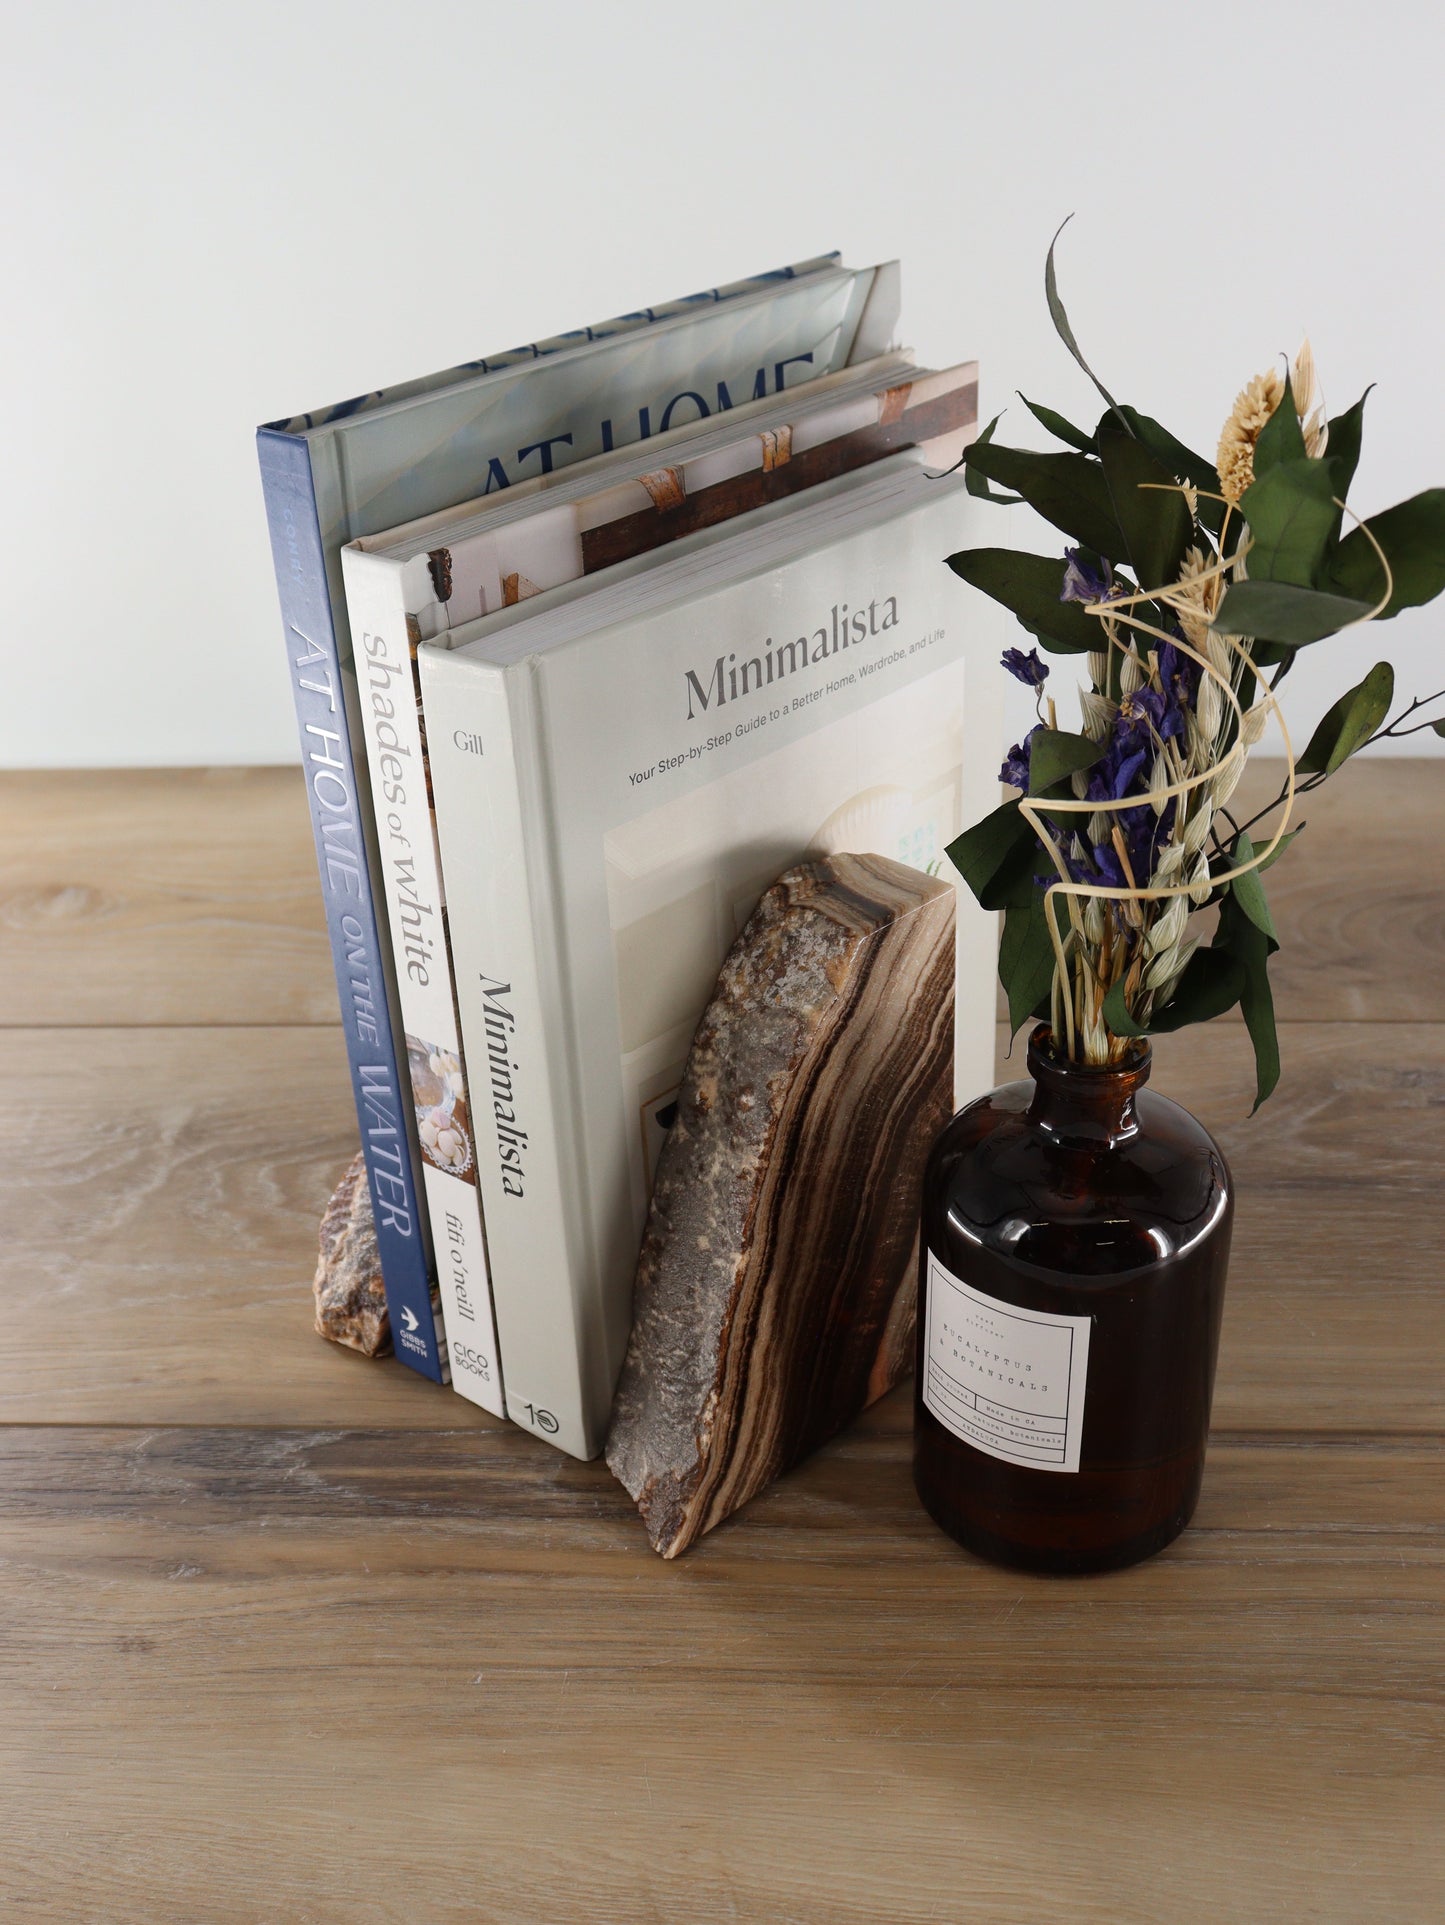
589, 641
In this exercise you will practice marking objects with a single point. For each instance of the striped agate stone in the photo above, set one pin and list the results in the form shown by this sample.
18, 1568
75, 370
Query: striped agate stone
350, 1295
775, 1288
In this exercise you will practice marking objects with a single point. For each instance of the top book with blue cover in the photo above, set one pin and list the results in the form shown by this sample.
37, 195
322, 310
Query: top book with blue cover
361, 466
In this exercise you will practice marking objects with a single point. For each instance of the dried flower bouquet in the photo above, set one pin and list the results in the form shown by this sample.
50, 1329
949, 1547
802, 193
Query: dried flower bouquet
1188, 590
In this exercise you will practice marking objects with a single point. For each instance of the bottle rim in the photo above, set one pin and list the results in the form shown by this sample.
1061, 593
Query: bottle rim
1045, 1059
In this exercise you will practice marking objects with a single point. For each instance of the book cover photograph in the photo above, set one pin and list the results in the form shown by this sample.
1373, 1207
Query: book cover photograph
439, 1095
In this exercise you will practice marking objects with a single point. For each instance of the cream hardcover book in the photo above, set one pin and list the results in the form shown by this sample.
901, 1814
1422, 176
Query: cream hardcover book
620, 768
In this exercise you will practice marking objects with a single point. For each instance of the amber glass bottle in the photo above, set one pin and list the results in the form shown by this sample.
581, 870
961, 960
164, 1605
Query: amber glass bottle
1075, 1241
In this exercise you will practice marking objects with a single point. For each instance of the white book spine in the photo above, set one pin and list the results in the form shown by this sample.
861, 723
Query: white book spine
480, 729
396, 755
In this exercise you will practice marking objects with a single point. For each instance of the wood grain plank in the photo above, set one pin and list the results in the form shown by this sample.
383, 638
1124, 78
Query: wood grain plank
381, 1677
1359, 900
190, 896
156, 1254
304, 1638
158, 1237
160, 896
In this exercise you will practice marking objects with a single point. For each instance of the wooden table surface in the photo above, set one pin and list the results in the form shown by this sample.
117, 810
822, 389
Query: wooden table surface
290, 1635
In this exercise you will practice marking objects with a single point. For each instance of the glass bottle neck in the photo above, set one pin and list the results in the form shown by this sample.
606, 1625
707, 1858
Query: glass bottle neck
1081, 1104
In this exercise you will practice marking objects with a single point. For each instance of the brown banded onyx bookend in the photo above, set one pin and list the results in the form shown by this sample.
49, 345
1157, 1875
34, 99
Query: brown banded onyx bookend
350, 1297
775, 1289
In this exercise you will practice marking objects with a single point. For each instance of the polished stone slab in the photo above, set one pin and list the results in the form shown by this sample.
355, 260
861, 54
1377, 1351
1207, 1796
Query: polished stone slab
775, 1289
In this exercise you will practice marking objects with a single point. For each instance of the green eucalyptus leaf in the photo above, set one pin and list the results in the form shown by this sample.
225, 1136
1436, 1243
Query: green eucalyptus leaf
1248, 890
1068, 490
1252, 949
1150, 510
1350, 723
1292, 517
1116, 1012
1211, 983
1030, 586
983, 853
1016, 874
998, 856
1412, 534
1024, 861
1281, 439
1061, 320
1182, 464
1279, 848
1342, 443
1246, 686
1054, 756
1059, 428
974, 481
1280, 612
1026, 956
1274, 655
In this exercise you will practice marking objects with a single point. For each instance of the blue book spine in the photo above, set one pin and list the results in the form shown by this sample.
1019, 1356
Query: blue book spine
345, 857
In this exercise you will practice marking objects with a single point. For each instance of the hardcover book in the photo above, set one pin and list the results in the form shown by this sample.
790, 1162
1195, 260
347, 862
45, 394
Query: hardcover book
390, 456
620, 768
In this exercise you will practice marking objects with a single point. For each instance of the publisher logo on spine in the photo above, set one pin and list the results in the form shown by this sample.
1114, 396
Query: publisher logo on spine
406, 1337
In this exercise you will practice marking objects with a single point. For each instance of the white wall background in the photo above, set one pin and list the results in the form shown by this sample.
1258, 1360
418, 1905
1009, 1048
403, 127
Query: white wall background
217, 214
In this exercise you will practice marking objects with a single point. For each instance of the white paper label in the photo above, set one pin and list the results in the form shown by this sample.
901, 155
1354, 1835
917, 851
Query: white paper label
1008, 1381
